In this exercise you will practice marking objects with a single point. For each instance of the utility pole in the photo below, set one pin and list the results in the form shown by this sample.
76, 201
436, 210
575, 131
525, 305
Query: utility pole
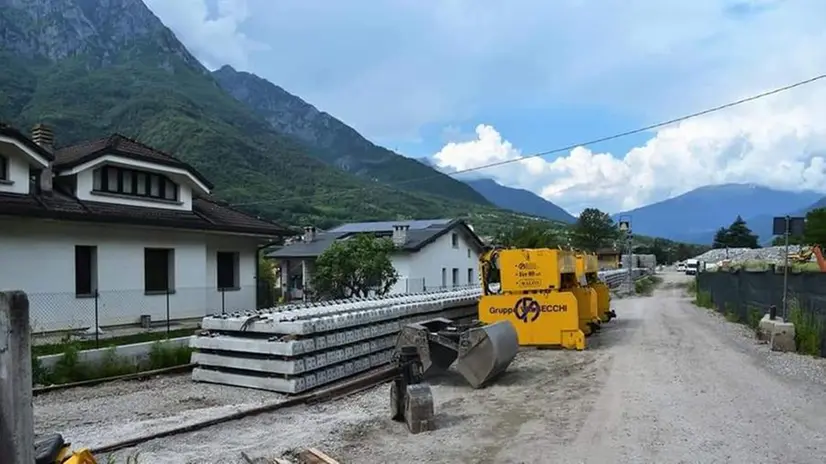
625, 228
787, 226
786, 232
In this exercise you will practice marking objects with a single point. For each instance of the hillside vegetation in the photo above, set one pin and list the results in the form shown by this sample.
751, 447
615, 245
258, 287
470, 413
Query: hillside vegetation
132, 76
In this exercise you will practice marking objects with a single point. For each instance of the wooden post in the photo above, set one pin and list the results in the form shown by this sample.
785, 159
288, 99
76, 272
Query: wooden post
16, 415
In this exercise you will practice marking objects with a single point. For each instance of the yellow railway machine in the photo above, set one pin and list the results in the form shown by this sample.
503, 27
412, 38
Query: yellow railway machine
591, 270
589, 315
537, 291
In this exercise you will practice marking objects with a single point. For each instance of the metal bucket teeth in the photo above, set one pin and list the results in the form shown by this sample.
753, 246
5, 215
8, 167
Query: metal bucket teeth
485, 352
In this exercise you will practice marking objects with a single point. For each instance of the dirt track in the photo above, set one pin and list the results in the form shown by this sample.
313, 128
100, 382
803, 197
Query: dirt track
666, 382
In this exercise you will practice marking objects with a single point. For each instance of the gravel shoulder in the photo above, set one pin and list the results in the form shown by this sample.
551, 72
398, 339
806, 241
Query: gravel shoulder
665, 382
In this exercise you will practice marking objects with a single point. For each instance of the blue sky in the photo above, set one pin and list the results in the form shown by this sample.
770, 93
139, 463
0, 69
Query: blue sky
468, 82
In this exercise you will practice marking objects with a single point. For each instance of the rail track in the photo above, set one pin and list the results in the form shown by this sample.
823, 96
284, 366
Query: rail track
93, 382
348, 387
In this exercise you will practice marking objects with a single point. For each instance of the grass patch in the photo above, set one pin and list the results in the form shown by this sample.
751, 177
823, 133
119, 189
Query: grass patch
70, 369
756, 265
57, 348
753, 317
730, 313
807, 329
703, 299
646, 285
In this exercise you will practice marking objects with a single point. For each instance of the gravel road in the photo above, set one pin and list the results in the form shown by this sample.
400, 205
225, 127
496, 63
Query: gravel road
665, 383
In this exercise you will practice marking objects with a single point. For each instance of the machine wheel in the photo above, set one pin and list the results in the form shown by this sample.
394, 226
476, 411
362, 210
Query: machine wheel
397, 412
594, 327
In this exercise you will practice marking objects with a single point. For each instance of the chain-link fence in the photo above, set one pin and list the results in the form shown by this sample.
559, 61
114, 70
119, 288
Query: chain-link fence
746, 296
57, 317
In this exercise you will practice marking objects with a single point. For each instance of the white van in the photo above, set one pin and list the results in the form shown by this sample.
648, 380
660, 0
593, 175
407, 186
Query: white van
692, 266
680, 267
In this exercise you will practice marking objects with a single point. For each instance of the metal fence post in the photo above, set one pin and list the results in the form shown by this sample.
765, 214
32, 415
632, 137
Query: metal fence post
16, 415
223, 301
97, 319
168, 328
786, 271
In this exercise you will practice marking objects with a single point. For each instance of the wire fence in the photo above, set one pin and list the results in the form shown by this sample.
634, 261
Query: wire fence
745, 295
57, 317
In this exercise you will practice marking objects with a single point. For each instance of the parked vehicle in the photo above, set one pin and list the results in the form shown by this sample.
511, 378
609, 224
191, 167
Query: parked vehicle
692, 266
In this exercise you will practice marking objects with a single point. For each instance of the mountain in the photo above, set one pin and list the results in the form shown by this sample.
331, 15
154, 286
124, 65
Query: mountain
519, 200
335, 142
92, 67
695, 216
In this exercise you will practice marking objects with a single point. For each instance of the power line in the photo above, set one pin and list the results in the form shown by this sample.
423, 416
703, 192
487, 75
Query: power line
570, 147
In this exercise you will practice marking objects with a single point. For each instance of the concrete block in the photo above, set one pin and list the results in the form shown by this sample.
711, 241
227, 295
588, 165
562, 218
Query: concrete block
766, 327
783, 337
300, 347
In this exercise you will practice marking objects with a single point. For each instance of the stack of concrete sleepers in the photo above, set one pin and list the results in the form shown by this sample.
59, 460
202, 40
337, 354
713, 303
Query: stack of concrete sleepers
295, 348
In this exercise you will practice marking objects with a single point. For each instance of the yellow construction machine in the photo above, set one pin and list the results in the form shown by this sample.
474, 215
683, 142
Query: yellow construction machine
805, 254
588, 315
536, 290
53, 449
588, 271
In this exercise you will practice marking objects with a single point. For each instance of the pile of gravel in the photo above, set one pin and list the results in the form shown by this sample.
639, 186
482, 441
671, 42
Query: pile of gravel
775, 254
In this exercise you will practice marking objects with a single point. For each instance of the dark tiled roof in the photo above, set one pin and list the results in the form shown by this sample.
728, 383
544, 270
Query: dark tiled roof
206, 214
417, 238
116, 144
10, 131
608, 251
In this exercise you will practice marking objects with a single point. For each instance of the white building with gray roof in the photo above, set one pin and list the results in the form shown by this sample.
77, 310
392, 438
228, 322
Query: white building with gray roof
433, 253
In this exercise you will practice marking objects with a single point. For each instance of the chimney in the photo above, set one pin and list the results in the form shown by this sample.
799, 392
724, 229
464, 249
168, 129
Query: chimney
309, 234
400, 234
43, 136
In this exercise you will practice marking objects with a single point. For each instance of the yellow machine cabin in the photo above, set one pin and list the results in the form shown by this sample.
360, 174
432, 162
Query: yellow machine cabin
589, 314
588, 270
537, 291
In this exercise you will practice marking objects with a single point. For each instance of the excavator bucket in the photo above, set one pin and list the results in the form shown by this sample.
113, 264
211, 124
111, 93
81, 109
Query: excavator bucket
486, 351
481, 353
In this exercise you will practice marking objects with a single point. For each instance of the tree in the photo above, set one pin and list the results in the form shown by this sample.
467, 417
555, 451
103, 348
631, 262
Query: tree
684, 252
537, 234
355, 267
721, 238
593, 230
815, 230
780, 240
268, 273
739, 235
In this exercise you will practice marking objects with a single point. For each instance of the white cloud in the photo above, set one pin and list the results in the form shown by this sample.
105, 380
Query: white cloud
779, 141
390, 68
215, 37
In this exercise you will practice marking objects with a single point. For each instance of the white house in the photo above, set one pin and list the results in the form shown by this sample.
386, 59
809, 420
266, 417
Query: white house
117, 231
431, 253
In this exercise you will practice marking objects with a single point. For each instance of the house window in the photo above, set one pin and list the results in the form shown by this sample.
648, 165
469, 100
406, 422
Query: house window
86, 275
468, 253
469, 275
455, 275
227, 263
4, 168
123, 181
444, 277
454, 240
158, 270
